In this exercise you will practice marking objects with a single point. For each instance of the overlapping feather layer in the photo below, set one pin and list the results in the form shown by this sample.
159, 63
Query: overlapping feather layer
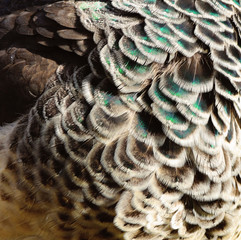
158, 130
176, 65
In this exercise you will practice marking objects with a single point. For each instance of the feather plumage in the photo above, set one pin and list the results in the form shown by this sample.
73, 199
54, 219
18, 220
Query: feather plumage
130, 125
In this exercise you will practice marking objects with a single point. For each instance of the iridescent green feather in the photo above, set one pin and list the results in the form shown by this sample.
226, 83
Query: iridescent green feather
232, 74
208, 10
159, 98
191, 115
129, 48
187, 48
225, 89
194, 75
160, 41
187, 7
222, 7
155, 54
202, 106
172, 119
174, 91
138, 34
184, 30
161, 28
166, 11
184, 138
234, 52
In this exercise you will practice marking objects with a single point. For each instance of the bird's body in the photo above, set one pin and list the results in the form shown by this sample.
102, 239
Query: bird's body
130, 130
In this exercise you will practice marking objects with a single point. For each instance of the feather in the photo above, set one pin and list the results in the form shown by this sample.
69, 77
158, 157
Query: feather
170, 154
129, 121
173, 91
190, 72
129, 48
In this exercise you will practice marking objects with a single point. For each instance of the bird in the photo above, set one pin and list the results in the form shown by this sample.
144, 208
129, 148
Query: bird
120, 119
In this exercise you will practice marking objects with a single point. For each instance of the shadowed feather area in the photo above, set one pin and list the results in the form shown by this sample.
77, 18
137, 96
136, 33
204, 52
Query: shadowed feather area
120, 119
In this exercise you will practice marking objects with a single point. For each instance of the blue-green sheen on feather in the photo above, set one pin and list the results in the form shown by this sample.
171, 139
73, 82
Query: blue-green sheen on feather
173, 117
133, 50
236, 2
142, 127
144, 36
200, 105
130, 49
165, 12
106, 99
226, 90
161, 96
215, 14
209, 37
162, 28
170, 88
138, 68
229, 136
224, 5
133, 72
161, 41
211, 24
230, 72
96, 16
186, 133
226, 108
152, 50
116, 45
120, 69
80, 119
164, 40
130, 98
192, 116
208, 21
153, 53
147, 11
161, 100
187, 48
193, 11
137, 33
225, 9
183, 29
229, 36
149, 1
206, 9
163, 7
227, 24
107, 59
189, 111
216, 133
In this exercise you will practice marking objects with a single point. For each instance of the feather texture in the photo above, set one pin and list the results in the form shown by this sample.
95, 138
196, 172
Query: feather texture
135, 129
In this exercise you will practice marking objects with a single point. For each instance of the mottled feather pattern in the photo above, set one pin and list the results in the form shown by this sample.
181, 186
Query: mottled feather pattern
32, 46
140, 138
